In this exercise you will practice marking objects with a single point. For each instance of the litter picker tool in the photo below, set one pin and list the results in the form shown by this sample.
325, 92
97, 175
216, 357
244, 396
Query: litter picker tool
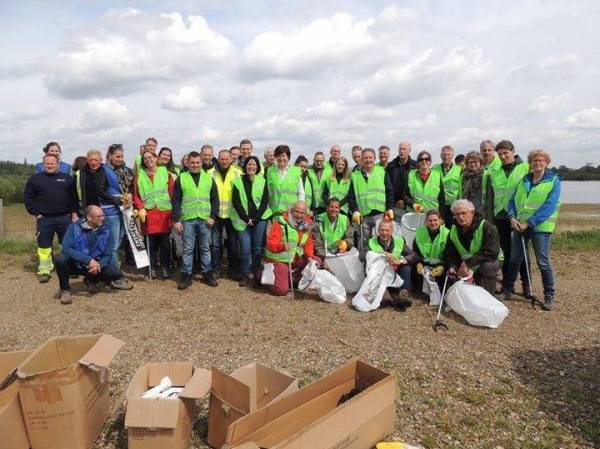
149, 258
532, 297
439, 322
289, 262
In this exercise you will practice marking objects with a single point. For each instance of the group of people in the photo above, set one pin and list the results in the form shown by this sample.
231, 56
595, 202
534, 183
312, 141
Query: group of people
481, 211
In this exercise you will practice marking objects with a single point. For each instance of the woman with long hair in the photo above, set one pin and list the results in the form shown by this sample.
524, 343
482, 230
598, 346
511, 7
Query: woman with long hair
425, 189
165, 159
338, 184
471, 181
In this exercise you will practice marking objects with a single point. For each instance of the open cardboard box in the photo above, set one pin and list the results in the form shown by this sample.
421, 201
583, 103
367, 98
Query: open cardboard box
162, 423
350, 408
12, 427
63, 389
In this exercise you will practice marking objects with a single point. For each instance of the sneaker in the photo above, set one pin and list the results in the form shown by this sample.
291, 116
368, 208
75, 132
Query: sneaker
43, 278
92, 287
402, 299
548, 303
243, 280
65, 297
210, 280
121, 284
502, 294
185, 282
164, 273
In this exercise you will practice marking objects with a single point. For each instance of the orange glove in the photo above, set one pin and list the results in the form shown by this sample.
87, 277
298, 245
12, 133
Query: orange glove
389, 215
418, 207
342, 246
142, 215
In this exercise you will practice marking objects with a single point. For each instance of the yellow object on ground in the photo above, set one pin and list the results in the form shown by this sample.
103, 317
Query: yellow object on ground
46, 265
390, 445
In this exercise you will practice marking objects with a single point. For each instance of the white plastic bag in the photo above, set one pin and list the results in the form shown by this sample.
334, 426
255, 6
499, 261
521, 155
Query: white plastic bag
380, 275
347, 268
328, 287
431, 288
409, 224
475, 305
268, 274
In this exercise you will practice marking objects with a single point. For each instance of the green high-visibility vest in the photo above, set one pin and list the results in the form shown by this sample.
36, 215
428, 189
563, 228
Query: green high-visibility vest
283, 192
308, 191
195, 202
332, 233
426, 194
493, 165
258, 188
527, 203
369, 193
474, 247
338, 189
317, 184
451, 182
432, 251
374, 245
504, 187
155, 193
290, 235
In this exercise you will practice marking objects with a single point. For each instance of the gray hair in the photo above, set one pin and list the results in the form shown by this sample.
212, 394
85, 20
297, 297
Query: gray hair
96, 152
267, 151
486, 142
462, 203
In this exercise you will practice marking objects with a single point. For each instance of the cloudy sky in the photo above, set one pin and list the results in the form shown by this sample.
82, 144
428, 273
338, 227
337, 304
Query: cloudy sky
306, 73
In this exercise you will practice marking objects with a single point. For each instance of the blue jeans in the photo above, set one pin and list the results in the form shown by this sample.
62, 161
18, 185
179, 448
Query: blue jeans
541, 248
217, 245
251, 246
117, 231
404, 271
191, 229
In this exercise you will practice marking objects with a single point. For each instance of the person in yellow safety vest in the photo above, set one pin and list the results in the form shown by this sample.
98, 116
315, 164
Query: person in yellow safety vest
533, 212
152, 198
491, 161
369, 196
473, 247
429, 246
318, 174
451, 175
384, 155
502, 185
333, 233
309, 198
224, 174
165, 159
290, 247
338, 184
425, 188
195, 209
284, 182
208, 159
249, 215
151, 145
471, 180
334, 154
50, 197
356, 156
399, 256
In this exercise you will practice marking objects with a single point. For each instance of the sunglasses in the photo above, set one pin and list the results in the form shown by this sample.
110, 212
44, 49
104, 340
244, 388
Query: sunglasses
421, 159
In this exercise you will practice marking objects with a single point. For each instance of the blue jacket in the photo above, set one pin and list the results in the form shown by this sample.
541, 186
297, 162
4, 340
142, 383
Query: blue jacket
83, 245
110, 195
63, 167
548, 208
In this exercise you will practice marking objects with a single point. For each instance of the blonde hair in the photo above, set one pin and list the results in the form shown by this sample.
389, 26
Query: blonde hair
346, 176
536, 153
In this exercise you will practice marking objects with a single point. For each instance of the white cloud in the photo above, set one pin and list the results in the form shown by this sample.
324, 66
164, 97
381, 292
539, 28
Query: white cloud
103, 113
586, 118
545, 102
187, 98
207, 135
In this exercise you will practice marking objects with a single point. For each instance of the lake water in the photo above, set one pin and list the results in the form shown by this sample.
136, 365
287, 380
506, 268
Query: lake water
580, 192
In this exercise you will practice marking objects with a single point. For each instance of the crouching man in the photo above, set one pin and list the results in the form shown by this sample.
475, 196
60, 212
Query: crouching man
333, 233
289, 241
473, 247
86, 250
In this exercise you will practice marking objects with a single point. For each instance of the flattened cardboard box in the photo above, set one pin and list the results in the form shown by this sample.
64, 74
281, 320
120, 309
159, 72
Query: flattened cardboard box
63, 388
162, 423
12, 428
351, 408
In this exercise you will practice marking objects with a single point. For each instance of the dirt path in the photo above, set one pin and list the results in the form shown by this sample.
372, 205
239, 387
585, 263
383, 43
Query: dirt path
532, 383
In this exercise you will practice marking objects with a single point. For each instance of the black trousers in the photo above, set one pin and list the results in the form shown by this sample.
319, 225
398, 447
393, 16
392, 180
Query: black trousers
65, 267
505, 233
160, 249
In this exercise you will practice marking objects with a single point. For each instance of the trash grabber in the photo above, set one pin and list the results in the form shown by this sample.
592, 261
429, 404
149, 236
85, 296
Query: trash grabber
290, 263
534, 300
149, 257
439, 322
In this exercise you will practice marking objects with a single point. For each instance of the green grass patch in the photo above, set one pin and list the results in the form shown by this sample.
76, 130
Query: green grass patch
577, 240
18, 245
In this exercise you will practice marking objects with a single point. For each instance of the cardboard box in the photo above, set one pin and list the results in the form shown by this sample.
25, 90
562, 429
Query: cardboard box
244, 391
12, 427
63, 388
351, 408
162, 423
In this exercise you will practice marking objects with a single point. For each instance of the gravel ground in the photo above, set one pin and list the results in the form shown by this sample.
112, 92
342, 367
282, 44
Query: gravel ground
532, 383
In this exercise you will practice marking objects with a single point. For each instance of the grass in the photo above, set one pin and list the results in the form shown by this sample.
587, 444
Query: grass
18, 245
577, 240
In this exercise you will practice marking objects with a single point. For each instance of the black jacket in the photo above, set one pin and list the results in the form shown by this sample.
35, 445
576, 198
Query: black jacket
398, 173
490, 246
50, 194
254, 213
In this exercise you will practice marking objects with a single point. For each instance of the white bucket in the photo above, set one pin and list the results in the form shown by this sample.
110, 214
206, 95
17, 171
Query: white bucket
409, 224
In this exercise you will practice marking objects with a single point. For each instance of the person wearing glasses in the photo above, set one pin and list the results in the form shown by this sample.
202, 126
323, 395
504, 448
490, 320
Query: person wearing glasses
425, 189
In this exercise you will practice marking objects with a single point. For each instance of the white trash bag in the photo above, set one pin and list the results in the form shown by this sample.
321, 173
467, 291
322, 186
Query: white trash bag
268, 274
380, 275
431, 288
475, 305
409, 224
329, 288
347, 268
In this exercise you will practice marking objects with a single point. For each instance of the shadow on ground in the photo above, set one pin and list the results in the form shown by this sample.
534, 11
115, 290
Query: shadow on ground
568, 385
